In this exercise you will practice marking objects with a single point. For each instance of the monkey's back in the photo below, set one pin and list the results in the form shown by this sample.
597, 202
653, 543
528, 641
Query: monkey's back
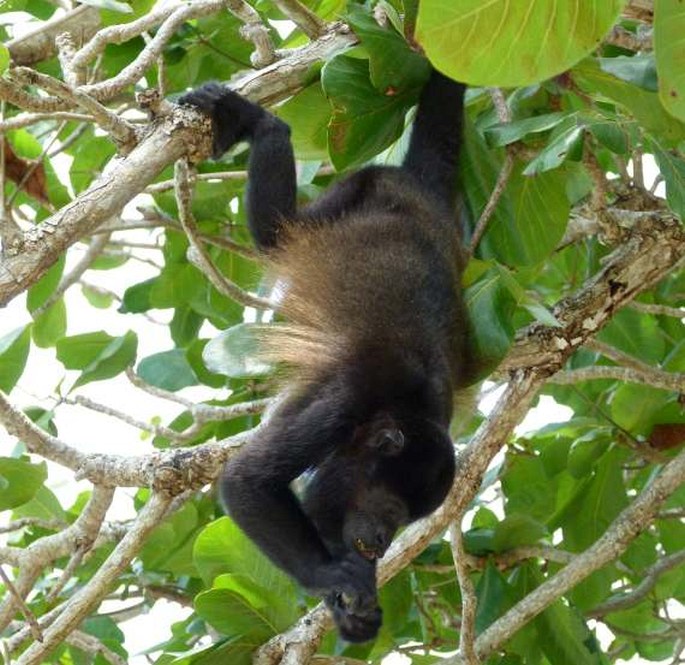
384, 276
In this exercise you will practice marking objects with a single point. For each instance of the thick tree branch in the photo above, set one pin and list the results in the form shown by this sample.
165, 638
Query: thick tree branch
168, 139
654, 247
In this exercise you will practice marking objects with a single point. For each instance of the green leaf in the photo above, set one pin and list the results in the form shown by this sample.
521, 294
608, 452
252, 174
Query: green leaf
137, 297
234, 352
585, 452
44, 505
221, 547
393, 65
4, 58
635, 407
21, 481
38, 294
517, 530
14, 352
539, 212
505, 43
240, 605
672, 168
640, 70
78, 351
308, 114
567, 143
169, 370
236, 651
635, 333
96, 297
111, 360
669, 28
509, 132
564, 637
599, 504
50, 326
233, 614
364, 121
490, 306
494, 597
644, 105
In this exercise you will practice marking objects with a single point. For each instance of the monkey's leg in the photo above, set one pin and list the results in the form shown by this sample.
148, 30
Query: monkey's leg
433, 155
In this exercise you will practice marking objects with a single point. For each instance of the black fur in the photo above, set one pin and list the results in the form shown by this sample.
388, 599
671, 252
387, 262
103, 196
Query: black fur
373, 424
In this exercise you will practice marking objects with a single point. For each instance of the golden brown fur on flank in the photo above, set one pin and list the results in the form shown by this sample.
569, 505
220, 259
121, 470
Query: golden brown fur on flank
359, 281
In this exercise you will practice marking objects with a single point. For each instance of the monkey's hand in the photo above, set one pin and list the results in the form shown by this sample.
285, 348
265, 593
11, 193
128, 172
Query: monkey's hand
234, 118
350, 594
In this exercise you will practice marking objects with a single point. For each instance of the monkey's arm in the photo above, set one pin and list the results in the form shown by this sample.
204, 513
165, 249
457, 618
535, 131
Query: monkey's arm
256, 484
433, 154
271, 190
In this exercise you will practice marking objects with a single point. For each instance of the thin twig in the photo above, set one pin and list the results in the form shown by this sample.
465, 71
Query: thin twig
30, 617
303, 17
95, 248
121, 131
658, 310
655, 377
198, 255
504, 115
469, 600
619, 357
27, 119
649, 579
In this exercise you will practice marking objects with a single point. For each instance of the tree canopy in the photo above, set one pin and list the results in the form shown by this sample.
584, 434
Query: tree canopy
573, 186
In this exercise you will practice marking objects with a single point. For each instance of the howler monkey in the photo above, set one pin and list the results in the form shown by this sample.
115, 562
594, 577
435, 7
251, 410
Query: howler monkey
379, 333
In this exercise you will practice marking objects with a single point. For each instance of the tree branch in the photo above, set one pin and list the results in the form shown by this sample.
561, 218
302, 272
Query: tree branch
655, 377
88, 598
615, 540
649, 580
167, 140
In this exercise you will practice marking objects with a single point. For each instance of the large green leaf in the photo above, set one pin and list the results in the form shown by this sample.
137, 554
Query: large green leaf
308, 114
504, 43
538, 215
490, 306
39, 292
563, 635
365, 121
50, 326
240, 605
669, 28
223, 548
644, 105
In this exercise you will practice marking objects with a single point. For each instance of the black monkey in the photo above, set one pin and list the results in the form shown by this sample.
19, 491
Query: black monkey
380, 335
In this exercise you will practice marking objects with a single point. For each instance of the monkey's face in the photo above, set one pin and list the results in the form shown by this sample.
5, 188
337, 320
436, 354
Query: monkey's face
372, 520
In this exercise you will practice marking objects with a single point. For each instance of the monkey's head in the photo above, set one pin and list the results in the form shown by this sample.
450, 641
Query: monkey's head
394, 472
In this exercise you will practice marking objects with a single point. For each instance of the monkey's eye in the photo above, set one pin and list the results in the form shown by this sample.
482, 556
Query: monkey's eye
367, 552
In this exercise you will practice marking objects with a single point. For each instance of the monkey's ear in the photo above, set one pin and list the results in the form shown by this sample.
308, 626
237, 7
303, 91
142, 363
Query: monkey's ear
388, 441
